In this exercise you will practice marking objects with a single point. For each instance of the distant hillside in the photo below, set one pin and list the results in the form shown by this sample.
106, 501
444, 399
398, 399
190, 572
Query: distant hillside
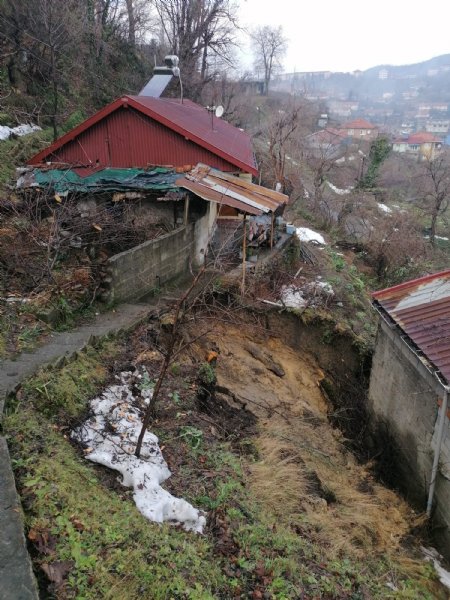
416, 70
428, 81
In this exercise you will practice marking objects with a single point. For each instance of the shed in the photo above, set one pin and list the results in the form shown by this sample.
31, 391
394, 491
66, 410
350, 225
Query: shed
409, 387
142, 132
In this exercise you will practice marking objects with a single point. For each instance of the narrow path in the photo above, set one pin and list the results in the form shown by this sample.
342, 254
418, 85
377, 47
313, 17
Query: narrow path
17, 581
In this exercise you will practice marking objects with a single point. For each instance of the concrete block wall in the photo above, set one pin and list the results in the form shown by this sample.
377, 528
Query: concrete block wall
143, 269
403, 399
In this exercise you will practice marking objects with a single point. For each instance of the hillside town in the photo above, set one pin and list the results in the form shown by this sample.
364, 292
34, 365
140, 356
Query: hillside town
224, 312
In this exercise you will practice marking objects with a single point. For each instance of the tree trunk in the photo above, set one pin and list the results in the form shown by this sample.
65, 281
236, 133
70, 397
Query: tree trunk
131, 23
434, 215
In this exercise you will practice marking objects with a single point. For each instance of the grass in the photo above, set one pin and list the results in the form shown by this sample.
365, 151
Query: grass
261, 536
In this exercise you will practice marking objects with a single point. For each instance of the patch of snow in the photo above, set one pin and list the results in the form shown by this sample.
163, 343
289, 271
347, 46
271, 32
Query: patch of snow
313, 293
110, 438
339, 191
436, 237
292, 297
384, 208
25, 129
432, 555
305, 234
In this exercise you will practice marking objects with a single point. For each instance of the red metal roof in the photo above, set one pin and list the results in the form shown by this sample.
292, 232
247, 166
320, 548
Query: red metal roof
358, 124
423, 137
421, 309
191, 122
223, 188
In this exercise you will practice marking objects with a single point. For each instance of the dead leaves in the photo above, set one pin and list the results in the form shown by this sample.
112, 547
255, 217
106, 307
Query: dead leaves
57, 571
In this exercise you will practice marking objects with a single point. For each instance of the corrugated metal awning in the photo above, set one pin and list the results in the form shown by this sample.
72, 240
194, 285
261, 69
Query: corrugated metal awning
421, 309
223, 188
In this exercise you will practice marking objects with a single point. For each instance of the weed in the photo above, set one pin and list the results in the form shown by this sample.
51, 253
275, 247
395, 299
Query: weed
192, 436
28, 337
146, 384
175, 397
206, 374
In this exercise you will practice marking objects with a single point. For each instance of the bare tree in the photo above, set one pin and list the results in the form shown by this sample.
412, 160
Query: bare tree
197, 31
436, 189
279, 143
269, 46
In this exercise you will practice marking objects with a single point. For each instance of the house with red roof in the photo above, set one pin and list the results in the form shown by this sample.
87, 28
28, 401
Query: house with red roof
360, 129
421, 144
144, 131
131, 156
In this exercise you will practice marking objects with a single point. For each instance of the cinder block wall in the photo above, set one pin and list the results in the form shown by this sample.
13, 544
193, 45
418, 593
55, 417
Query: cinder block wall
143, 269
403, 399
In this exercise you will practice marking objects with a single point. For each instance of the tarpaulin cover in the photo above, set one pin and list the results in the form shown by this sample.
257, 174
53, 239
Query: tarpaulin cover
106, 180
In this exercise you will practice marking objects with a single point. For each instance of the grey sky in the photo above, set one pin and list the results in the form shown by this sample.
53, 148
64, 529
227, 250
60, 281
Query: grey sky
347, 35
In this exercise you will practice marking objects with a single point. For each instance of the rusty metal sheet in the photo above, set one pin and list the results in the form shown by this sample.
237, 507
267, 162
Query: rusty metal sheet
229, 190
213, 196
138, 131
421, 309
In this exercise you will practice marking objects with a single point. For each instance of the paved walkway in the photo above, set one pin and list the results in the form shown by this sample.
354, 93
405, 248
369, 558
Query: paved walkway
17, 581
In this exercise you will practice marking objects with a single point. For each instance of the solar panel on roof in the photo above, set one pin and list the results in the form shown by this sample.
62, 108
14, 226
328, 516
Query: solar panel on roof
158, 83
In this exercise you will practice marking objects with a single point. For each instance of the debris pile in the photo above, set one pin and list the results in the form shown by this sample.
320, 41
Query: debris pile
313, 293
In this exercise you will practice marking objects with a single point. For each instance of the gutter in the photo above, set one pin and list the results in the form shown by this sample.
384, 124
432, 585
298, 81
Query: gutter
442, 415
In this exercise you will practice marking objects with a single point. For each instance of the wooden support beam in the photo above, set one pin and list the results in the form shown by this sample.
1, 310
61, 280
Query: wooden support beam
186, 210
244, 254
272, 225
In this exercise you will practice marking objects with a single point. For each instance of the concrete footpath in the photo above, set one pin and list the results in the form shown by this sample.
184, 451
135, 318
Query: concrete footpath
17, 581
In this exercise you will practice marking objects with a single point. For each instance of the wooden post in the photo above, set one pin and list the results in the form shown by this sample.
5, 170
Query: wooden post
186, 210
244, 253
271, 230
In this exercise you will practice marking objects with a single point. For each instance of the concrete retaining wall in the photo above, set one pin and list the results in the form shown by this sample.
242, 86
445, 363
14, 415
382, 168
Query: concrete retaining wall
145, 268
403, 398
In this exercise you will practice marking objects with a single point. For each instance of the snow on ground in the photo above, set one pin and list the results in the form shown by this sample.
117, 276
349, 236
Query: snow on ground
305, 234
110, 437
432, 555
313, 293
20, 130
384, 208
339, 191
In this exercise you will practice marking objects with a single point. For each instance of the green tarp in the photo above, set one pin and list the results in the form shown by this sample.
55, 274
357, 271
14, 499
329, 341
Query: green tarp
106, 180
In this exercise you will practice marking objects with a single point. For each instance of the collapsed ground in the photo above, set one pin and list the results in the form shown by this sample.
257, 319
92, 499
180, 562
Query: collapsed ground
291, 513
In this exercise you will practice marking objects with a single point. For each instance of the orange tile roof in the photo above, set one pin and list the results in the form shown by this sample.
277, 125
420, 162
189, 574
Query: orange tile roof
358, 124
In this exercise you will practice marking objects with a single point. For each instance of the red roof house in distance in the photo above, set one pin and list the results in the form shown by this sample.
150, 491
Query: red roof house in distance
143, 131
422, 144
360, 129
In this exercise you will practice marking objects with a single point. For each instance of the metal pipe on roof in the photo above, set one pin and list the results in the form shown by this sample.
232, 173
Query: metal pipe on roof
437, 453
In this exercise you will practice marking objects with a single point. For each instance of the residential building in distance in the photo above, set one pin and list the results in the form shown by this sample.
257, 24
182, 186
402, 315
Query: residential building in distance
422, 144
360, 129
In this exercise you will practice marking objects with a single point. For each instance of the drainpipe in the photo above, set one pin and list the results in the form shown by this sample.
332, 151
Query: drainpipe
440, 436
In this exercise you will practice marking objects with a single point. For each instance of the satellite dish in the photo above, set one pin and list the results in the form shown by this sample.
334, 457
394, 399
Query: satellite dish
219, 111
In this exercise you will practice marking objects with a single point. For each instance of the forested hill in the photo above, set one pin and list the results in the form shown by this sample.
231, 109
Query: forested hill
63, 59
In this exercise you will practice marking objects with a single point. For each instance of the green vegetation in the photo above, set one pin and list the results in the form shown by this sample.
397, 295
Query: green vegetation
378, 153
16, 152
60, 393
91, 542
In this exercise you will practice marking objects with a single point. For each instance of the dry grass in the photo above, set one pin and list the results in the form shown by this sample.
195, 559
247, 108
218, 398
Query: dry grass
352, 515
279, 479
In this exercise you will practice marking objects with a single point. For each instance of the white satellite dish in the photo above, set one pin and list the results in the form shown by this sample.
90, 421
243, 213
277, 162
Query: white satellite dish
219, 111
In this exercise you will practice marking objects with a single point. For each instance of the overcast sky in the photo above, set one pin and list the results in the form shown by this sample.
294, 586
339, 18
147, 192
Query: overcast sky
345, 35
